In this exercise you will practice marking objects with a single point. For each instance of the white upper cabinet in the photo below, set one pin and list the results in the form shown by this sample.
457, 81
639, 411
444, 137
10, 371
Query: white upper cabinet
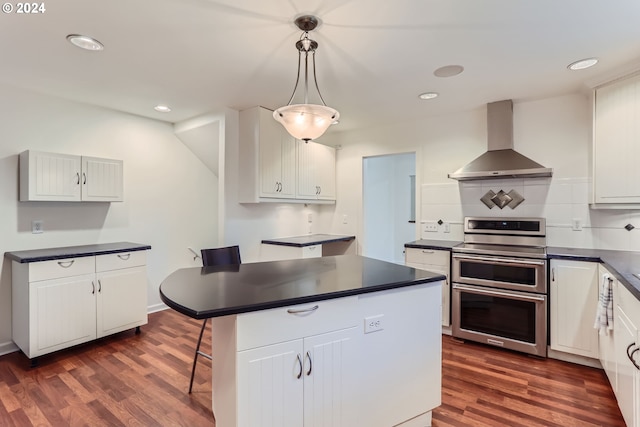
316, 171
615, 144
68, 178
274, 167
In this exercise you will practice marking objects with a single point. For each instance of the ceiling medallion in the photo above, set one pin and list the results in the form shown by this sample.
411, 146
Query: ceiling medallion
306, 121
502, 199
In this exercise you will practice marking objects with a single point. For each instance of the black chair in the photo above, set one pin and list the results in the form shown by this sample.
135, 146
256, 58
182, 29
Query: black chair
229, 255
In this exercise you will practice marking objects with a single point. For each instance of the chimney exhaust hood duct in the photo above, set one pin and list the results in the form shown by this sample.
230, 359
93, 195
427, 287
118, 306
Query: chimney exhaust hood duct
500, 160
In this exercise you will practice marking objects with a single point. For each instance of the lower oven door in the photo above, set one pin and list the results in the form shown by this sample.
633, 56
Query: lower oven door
504, 318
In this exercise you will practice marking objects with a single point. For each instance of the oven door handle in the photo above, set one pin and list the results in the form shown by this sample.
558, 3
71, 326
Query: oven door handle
498, 293
499, 260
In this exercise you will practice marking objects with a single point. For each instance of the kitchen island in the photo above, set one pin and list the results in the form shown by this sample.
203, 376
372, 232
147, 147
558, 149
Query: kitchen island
339, 340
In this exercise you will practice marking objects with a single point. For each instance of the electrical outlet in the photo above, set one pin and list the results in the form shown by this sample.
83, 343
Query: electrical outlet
373, 323
37, 226
344, 219
447, 227
576, 224
310, 218
430, 227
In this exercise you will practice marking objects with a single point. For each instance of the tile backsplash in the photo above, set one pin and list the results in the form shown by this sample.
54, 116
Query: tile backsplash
564, 202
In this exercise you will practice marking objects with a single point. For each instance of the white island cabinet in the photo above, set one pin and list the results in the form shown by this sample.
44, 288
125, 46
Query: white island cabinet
337, 341
61, 302
318, 364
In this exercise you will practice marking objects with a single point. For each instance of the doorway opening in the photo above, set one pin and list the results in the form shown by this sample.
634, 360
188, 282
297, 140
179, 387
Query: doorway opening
388, 205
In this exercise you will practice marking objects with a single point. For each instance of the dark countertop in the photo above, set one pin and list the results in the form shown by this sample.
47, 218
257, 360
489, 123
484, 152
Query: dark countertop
308, 240
48, 254
203, 292
622, 264
445, 245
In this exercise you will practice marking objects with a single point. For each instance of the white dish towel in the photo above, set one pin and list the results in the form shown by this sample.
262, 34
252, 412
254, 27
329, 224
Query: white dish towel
604, 312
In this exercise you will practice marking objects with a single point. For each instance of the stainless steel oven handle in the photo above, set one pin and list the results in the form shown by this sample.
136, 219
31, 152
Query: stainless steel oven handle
509, 261
497, 293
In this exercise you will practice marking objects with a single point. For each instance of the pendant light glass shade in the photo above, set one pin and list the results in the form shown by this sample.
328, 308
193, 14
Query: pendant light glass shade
306, 121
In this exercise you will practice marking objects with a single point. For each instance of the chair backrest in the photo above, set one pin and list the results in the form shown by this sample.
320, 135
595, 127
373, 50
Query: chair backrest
229, 255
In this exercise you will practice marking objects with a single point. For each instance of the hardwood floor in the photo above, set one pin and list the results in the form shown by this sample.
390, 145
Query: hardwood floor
142, 380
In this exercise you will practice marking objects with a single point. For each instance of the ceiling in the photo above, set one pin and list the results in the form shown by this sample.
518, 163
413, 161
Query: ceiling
374, 57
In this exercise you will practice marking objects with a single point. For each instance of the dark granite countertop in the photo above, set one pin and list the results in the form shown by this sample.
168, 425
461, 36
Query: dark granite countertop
445, 245
36, 255
203, 292
308, 240
622, 264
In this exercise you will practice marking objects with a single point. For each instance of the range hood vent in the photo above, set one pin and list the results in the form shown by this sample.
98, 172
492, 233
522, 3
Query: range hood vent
500, 160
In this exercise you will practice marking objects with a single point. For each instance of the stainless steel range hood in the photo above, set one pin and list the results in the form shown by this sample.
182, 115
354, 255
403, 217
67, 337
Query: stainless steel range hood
501, 160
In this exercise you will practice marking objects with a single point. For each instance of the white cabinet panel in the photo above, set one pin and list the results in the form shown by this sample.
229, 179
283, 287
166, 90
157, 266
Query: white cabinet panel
573, 302
616, 149
68, 178
270, 389
316, 171
626, 337
101, 180
436, 261
63, 313
330, 380
121, 300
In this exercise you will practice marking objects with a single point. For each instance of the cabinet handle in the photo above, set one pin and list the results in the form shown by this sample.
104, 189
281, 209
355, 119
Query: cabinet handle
319, 190
66, 264
124, 257
630, 354
310, 364
99, 286
93, 288
553, 274
427, 252
84, 178
303, 310
277, 187
300, 365
78, 178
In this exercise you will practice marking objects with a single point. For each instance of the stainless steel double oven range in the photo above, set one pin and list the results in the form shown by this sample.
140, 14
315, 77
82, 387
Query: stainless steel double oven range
499, 277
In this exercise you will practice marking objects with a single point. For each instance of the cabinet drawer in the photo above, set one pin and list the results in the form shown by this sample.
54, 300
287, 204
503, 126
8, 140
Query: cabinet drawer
266, 327
427, 256
58, 268
120, 260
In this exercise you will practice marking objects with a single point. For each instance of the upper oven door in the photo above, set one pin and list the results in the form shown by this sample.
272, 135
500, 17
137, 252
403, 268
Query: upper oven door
528, 275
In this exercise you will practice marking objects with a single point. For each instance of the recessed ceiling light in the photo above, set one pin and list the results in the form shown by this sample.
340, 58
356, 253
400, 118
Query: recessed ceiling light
428, 95
85, 42
582, 64
162, 108
448, 71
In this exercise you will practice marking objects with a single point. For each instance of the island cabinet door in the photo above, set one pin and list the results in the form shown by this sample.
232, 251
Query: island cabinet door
270, 391
330, 395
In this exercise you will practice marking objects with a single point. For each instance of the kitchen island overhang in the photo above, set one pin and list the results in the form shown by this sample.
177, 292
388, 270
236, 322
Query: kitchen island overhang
306, 339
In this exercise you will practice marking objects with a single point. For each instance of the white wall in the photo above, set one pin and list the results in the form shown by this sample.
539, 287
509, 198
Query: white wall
555, 132
170, 197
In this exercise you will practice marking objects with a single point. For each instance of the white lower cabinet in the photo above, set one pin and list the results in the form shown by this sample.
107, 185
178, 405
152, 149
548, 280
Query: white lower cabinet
437, 261
627, 343
308, 382
315, 364
573, 303
60, 303
607, 349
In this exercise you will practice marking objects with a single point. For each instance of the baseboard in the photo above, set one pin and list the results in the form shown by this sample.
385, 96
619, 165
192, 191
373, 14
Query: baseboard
446, 330
156, 307
572, 358
8, 347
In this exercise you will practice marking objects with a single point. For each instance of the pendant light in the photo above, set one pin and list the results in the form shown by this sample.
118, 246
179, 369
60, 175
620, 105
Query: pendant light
306, 121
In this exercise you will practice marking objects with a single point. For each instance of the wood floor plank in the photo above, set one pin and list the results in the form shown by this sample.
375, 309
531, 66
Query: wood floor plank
142, 380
